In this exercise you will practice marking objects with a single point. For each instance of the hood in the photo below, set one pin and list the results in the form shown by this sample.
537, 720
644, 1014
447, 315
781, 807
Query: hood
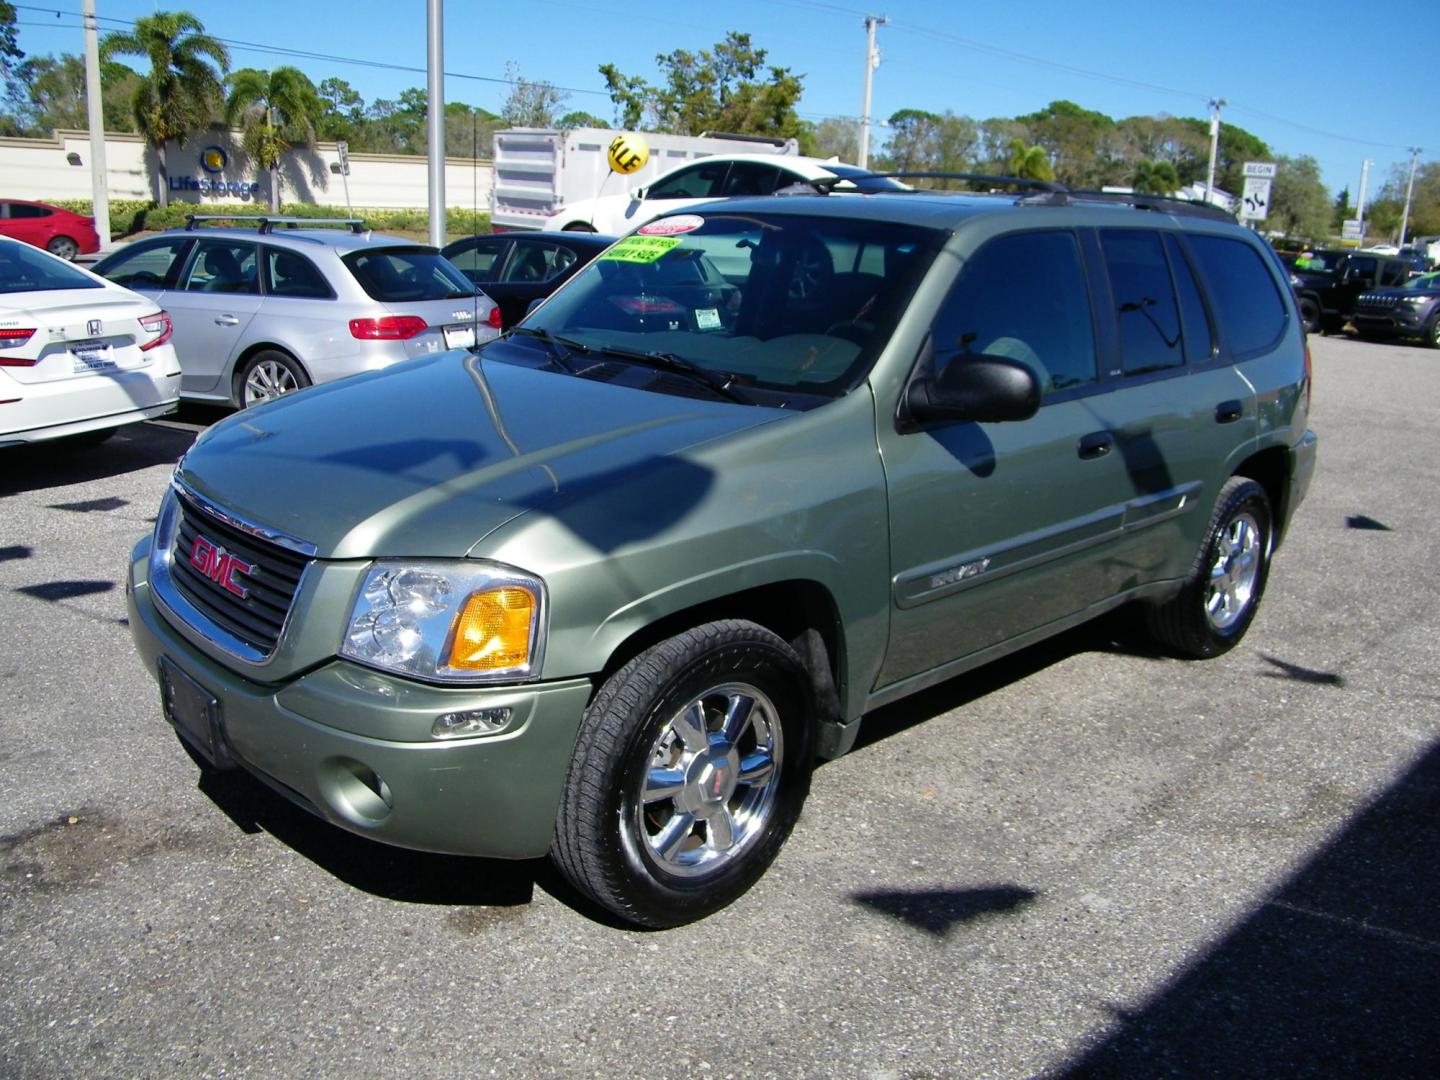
428, 456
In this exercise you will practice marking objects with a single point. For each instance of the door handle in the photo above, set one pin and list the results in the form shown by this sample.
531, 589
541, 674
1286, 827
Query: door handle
1227, 412
226, 320
1095, 445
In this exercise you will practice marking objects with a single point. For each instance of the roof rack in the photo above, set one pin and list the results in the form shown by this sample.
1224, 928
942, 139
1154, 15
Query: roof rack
269, 221
1163, 204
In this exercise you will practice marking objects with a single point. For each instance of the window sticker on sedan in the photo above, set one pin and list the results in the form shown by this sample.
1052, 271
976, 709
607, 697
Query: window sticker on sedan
641, 249
672, 226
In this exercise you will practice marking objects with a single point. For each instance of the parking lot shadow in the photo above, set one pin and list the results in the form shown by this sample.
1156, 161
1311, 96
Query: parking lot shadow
1336, 974
59, 463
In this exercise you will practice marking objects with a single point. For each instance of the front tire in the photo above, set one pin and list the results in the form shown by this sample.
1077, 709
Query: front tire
1432, 331
1219, 600
689, 772
267, 375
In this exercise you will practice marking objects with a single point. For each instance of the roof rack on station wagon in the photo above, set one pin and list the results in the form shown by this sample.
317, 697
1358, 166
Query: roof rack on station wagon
269, 221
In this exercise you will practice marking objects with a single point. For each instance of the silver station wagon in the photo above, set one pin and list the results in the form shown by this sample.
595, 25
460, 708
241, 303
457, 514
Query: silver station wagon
261, 313
606, 587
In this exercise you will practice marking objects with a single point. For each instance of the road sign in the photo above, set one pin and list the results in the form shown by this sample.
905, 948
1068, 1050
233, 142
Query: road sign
1263, 170
1255, 201
1350, 229
342, 152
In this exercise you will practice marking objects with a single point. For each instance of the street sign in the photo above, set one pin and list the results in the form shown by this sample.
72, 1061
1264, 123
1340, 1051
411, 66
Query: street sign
1263, 170
1350, 229
1255, 201
342, 152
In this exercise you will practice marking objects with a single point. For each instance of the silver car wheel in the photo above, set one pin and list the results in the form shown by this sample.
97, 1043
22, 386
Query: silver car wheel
711, 782
268, 380
1234, 573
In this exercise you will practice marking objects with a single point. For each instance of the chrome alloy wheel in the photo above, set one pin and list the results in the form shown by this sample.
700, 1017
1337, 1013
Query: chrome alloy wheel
711, 781
1231, 588
268, 380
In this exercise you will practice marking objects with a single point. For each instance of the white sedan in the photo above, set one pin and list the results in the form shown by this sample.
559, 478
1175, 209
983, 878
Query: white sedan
79, 355
721, 176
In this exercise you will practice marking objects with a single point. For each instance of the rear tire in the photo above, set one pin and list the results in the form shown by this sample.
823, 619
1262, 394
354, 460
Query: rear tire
1211, 613
267, 375
1309, 314
63, 247
690, 769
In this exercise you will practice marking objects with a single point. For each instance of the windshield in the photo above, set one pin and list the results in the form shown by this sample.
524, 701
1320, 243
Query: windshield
1318, 262
796, 306
396, 274
24, 269
1423, 283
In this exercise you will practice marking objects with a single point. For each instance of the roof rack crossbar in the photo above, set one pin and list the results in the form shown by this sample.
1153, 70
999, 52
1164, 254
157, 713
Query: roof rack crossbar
269, 221
1164, 204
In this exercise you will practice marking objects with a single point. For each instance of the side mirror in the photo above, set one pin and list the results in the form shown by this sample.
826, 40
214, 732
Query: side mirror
989, 389
639, 193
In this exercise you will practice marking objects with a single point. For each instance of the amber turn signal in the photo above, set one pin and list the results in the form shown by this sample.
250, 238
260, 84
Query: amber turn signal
493, 630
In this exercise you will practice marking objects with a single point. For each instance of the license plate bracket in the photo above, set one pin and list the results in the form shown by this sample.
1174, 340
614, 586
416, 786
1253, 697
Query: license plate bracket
194, 713
460, 337
91, 356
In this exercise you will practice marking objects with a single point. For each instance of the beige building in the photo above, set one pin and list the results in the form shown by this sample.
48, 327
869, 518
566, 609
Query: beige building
213, 169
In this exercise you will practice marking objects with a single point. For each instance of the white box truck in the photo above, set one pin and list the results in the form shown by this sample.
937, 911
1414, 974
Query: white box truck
539, 171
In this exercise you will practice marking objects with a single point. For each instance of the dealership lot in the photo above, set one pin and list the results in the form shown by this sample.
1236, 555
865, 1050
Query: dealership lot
1085, 861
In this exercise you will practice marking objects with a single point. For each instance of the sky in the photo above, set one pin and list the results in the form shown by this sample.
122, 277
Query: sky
1318, 78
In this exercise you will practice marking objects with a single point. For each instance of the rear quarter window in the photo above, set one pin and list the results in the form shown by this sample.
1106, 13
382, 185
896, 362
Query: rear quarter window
1243, 292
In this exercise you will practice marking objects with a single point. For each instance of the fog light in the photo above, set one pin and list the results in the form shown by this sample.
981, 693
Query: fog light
452, 725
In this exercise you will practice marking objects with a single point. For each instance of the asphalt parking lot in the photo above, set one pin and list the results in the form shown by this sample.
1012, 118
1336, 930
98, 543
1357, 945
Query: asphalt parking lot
1088, 861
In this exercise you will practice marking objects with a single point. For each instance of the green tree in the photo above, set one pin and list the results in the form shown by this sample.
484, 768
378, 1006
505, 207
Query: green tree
1424, 202
1075, 140
1299, 204
726, 89
530, 104
580, 119
837, 137
54, 95
183, 91
1155, 178
11, 56
1028, 162
274, 111
469, 131
342, 110
1236, 146
1341, 210
929, 142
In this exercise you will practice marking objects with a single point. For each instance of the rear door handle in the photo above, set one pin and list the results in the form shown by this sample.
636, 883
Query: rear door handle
1095, 445
226, 320
1227, 412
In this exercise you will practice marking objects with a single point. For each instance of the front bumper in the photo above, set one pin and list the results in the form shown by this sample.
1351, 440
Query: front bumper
490, 795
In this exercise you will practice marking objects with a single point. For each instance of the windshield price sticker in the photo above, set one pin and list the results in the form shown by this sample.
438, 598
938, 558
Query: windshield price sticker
641, 249
673, 226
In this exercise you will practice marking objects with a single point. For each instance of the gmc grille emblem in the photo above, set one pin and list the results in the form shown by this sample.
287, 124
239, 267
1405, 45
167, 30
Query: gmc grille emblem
220, 566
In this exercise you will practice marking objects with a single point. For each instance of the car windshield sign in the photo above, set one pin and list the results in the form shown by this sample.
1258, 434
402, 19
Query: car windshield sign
794, 305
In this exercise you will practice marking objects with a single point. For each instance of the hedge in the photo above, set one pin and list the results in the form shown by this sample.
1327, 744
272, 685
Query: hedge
129, 216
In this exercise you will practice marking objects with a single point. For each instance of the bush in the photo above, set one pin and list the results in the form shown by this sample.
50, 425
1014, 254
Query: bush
129, 216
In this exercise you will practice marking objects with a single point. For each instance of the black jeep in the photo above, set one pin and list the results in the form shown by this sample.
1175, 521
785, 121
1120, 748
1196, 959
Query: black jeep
1327, 283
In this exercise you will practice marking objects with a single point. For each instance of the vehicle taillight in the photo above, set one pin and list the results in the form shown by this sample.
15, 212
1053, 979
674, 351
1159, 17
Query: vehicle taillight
494, 319
159, 323
10, 337
387, 328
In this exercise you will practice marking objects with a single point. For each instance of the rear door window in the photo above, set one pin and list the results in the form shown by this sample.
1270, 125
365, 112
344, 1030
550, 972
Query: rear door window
481, 258
1243, 290
537, 262
223, 266
25, 210
288, 273
752, 178
1146, 310
1199, 339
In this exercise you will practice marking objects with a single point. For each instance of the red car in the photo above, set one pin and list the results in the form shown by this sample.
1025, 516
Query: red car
60, 232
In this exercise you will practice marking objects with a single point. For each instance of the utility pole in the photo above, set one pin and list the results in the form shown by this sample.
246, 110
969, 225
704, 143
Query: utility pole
95, 112
872, 61
1409, 191
435, 116
1360, 203
1216, 104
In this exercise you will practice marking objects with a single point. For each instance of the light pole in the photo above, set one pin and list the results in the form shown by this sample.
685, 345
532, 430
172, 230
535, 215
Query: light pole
435, 117
1409, 191
1216, 104
95, 113
1360, 203
872, 61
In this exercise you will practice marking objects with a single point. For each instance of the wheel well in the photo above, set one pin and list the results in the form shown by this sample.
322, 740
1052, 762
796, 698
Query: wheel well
1271, 470
801, 612
245, 358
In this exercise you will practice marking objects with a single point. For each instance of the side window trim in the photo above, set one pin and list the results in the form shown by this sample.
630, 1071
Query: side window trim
1219, 347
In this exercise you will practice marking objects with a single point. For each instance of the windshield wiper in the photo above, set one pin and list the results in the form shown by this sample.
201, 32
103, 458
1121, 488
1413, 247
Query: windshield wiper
560, 348
719, 381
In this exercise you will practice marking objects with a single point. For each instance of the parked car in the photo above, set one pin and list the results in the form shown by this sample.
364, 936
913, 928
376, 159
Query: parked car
515, 269
1327, 284
61, 232
79, 357
1411, 310
261, 313
608, 587
695, 182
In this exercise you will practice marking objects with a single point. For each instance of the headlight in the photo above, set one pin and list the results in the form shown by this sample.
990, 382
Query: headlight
455, 622
1417, 300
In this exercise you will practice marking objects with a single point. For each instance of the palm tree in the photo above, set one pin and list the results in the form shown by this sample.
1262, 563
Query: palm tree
1155, 178
274, 110
182, 93
1028, 162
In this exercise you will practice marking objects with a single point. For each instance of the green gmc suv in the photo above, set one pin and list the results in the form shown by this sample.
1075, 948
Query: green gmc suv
607, 587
